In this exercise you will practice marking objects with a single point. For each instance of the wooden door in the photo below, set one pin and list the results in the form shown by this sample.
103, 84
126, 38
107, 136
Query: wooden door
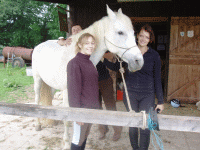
184, 59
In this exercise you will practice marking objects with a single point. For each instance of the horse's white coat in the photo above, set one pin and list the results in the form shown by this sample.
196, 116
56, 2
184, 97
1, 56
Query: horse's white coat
49, 59
198, 105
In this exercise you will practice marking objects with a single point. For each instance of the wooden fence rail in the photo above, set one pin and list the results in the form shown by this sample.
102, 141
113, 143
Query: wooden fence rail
118, 118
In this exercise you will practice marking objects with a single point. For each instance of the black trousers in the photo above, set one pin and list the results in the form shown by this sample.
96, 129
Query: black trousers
139, 102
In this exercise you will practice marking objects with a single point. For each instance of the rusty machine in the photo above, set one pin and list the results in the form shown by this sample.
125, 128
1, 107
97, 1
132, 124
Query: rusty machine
18, 56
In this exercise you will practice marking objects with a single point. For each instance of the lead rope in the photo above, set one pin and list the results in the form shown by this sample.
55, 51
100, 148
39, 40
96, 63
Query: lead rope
129, 104
128, 100
125, 87
152, 127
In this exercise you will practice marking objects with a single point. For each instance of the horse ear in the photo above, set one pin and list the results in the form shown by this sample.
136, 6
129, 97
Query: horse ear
110, 13
120, 11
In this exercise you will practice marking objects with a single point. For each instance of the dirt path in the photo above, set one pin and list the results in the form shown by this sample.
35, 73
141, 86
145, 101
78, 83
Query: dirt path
18, 133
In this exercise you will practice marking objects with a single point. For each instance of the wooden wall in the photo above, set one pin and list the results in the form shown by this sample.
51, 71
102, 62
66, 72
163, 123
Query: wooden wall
86, 13
184, 59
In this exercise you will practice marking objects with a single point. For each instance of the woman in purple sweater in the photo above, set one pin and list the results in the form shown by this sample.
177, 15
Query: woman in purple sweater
83, 89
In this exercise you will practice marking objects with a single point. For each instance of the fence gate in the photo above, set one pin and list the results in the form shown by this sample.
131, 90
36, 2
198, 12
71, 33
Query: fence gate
184, 59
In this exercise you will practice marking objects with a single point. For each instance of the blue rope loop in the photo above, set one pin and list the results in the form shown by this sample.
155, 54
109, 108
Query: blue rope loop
152, 126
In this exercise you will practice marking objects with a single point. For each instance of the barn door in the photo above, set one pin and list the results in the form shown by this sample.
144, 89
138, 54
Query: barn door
184, 59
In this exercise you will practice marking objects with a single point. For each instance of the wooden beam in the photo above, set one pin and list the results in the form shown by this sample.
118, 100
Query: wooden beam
119, 118
149, 19
63, 9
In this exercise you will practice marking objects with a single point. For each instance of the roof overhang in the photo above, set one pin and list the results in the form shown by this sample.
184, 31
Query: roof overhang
74, 2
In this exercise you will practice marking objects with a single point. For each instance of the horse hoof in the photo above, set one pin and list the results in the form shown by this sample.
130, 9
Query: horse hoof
38, 128
66, 146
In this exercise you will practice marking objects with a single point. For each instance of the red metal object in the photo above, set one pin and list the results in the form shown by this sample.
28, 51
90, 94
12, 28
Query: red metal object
119, 95
24, 53
18, 52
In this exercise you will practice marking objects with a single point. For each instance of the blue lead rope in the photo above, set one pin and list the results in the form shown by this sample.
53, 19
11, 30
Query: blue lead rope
152, 126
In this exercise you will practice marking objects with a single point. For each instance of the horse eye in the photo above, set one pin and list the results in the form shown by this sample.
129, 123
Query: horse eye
120, 33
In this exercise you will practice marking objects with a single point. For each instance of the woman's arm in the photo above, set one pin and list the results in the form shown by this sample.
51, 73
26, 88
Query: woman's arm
113, 66
157, 79
74, 84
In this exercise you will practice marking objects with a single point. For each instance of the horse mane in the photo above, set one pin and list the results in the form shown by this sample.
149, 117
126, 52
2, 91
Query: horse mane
96, 29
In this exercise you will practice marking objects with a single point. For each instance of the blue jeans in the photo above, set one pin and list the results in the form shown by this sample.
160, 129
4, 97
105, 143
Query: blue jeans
139, 102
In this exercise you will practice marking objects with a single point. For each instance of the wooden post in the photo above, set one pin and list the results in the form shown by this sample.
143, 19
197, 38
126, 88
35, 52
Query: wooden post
118, 118
69, 21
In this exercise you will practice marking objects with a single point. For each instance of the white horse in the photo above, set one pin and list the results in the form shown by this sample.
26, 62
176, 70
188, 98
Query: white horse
49, 60
198, 105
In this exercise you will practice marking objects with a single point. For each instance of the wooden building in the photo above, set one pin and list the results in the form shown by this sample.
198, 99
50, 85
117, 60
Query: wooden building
176, 24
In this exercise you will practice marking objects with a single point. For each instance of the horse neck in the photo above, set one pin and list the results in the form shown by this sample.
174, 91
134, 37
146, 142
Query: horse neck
97, 29
99, 33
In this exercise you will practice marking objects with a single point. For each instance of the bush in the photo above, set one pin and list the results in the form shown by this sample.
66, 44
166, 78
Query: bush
10, 84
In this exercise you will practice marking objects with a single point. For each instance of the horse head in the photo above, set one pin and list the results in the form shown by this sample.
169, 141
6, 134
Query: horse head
120, 39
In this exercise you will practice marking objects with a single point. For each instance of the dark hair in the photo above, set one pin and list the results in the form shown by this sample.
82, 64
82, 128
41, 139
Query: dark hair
149, 29
75, 24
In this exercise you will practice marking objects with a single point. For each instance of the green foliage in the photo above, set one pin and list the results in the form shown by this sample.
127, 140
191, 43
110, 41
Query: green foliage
10, 84
12, 79
28, 23
53, 24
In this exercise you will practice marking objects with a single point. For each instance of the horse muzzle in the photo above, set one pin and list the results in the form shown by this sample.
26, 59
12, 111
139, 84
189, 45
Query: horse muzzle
135, 63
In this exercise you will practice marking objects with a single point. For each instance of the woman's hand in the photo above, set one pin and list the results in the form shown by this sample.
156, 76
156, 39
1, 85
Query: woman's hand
68, 41
121, 70
80, 123
102, 59
160, 106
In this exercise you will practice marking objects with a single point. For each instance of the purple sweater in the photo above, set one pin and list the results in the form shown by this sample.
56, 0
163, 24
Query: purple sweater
82, 83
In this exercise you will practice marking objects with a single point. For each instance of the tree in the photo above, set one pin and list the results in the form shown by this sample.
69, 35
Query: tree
53, 23
27, 23
16, 18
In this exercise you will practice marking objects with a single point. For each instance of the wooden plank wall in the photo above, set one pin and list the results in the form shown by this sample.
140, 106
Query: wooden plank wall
184, 60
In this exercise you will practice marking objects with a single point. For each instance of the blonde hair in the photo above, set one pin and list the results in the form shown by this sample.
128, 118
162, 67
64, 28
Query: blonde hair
82, 40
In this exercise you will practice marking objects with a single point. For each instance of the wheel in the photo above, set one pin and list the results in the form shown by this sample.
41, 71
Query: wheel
18, 61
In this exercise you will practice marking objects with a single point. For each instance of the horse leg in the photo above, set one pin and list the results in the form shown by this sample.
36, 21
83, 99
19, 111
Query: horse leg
66, 136
37, 86
53, 91
66, 124
46, 98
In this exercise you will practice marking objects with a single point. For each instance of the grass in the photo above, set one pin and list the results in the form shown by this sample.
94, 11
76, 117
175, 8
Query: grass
13, 80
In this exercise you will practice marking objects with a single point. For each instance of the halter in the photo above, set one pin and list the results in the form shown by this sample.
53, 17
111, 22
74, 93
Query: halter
126, 92
105, 39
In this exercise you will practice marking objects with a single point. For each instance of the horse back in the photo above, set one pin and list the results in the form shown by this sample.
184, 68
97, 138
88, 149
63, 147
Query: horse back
49, 61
